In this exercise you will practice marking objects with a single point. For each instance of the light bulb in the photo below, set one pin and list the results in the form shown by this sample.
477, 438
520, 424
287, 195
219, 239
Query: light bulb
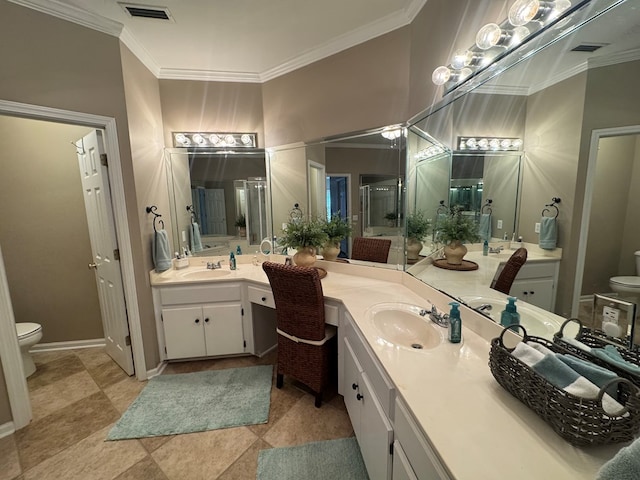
559, 6
441, 75
461, 59
517, 143
180, 138
215, 139
472, 144
505, 143
494, 144
483, 144
229, 140
464, 73
199, 139
488, 36
245, 139
523, 11
518, 34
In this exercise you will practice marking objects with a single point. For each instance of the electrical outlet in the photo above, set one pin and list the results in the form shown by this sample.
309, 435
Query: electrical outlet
537, 227
499, 224
354, 218
610, 314
184, 235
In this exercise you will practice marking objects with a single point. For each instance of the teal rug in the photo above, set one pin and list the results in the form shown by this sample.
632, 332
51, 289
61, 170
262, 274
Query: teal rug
329, 460
195, 402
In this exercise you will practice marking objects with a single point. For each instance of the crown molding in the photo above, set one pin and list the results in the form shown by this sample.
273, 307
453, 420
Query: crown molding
622, 57
502, 90
139, 51
207, 75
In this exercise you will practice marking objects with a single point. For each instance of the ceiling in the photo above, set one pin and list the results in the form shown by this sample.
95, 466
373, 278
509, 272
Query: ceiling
236, 40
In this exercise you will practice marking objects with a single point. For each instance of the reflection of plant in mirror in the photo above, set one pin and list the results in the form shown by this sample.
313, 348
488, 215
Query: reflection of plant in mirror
337, 228
391, 216
303, 233
418, 226
241, 221
457, 226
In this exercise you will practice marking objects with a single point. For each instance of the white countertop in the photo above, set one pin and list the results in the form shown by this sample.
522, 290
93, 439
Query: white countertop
477, 428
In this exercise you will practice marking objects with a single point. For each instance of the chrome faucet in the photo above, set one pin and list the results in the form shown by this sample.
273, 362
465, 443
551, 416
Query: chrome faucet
496, 250
485, 307
436, 317
214, 266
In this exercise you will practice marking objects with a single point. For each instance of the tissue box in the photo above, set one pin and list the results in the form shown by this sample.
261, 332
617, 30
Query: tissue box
179, 263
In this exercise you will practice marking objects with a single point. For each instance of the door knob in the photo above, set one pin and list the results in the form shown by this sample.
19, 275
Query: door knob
93, 266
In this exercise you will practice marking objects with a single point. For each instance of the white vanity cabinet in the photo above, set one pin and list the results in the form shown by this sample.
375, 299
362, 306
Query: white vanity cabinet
368, 396
202, 320
535, 284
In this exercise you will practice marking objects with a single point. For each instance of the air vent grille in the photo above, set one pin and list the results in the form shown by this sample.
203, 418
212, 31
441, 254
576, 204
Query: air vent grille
147, 11
588, 47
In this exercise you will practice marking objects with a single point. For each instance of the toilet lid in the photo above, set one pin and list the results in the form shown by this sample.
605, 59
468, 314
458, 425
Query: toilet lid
630, 281
26, 329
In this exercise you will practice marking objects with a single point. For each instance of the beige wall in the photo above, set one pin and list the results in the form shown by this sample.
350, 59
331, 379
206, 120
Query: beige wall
288, 184
44, 232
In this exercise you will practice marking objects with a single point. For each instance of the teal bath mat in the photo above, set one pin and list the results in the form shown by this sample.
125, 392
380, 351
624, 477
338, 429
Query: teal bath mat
195, 402
329, 460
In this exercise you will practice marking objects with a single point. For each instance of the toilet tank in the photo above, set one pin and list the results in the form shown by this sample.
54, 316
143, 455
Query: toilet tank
637, 254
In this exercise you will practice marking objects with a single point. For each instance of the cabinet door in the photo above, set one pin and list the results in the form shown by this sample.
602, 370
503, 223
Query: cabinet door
376, 433
401, 467
538, 292
351, 387
223, 329
183, 332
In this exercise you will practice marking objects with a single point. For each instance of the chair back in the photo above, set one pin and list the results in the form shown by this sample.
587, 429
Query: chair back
370, 249
299, 300
508, 274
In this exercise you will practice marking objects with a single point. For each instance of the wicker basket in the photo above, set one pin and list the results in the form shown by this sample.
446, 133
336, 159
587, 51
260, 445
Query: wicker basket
598, 339
579, 421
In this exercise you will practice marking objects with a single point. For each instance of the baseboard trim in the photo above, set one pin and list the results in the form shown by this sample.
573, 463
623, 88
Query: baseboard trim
154, 372
7, 429
53, 346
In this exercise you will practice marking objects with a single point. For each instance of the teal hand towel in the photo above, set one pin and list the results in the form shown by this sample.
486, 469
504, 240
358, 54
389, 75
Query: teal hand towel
161, 252
195, 242
548, 233
484, 228
596, 374
624, 466
611, 355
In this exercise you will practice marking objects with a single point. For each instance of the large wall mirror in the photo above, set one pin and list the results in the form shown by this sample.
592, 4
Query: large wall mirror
362, 179
553, 99
224, 194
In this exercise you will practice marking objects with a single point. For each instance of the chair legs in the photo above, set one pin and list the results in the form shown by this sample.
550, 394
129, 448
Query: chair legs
279, 380
318, 399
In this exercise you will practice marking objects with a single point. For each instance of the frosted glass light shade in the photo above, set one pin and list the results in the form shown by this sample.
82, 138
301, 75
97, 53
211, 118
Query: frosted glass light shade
488, 36
441, 75
461, 59
523, 11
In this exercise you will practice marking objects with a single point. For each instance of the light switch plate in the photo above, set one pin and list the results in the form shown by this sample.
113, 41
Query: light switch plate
537, 227
499, 224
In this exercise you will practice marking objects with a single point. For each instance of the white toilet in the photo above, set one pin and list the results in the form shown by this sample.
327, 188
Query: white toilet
28, 335
628, 286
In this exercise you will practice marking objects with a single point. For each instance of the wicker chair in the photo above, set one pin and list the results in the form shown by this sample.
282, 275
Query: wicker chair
305, 343
370, 249
508, 274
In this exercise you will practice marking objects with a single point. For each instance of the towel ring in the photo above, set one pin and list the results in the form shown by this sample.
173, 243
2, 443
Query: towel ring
156, 216
553, 205
442, 209
295, 214
192, 212
486, 208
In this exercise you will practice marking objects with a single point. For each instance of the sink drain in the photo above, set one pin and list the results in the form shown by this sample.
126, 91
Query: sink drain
417, 346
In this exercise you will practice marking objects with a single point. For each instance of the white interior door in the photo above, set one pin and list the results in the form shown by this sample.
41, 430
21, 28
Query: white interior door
215, 211
105, 262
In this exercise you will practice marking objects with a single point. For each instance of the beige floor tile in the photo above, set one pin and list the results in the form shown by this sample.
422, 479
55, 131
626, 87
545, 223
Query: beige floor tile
50, 435
54, 370
93, 357
40, 358
281, 402
151, 444
247, 465
145, 469
124, 392
9, 462
49, 398
90, 459
305, 423
203, 455
107, 374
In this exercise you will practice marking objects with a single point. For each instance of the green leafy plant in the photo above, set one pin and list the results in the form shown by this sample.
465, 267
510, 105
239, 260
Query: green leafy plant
418, 226
456, 226
241, 221
303, 233
336, 228
391, 216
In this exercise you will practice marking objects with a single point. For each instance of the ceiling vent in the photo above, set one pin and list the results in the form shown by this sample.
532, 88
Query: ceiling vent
147, 11
588, 47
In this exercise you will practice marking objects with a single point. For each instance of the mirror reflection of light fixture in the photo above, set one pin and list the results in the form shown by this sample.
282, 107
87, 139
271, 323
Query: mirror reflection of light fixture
488, 144
215, 140
525, 11
429, 152
391, 133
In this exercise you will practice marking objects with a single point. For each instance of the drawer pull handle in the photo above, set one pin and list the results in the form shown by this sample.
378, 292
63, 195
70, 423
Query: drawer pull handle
206, 320
354, 386
359, 397
197, 320
264, 299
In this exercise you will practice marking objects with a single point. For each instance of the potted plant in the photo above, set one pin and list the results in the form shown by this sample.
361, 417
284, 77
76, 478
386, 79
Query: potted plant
418, 226
391, 218
241, 223
306, 235
336, 229
453, 230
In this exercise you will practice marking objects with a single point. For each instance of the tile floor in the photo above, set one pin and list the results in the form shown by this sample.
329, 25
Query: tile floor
77, 395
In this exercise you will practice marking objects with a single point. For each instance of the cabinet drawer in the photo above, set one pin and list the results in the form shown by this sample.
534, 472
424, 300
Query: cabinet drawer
200, 294
261, 296
382, 386
425, 464
537, 270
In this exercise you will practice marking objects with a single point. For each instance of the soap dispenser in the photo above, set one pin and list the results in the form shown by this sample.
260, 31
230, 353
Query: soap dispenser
455, 323
485, 248
510, 315
232, 261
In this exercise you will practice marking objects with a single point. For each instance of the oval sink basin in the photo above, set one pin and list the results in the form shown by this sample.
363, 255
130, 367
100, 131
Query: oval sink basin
201, 274
537, 323
401, 324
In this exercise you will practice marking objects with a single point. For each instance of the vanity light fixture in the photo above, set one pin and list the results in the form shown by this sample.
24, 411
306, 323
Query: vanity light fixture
429, 152
489, 144
391, 133
214, 139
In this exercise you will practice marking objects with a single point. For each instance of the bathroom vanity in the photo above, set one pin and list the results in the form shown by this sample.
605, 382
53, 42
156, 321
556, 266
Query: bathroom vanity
431, 413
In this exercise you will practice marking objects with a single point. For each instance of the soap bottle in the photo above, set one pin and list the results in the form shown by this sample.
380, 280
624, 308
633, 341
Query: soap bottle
485, 248
232, 261
510, 315
238, 250
455, 323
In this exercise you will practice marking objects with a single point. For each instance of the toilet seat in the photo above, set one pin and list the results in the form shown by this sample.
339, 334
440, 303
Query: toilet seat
626, 281
27, 330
